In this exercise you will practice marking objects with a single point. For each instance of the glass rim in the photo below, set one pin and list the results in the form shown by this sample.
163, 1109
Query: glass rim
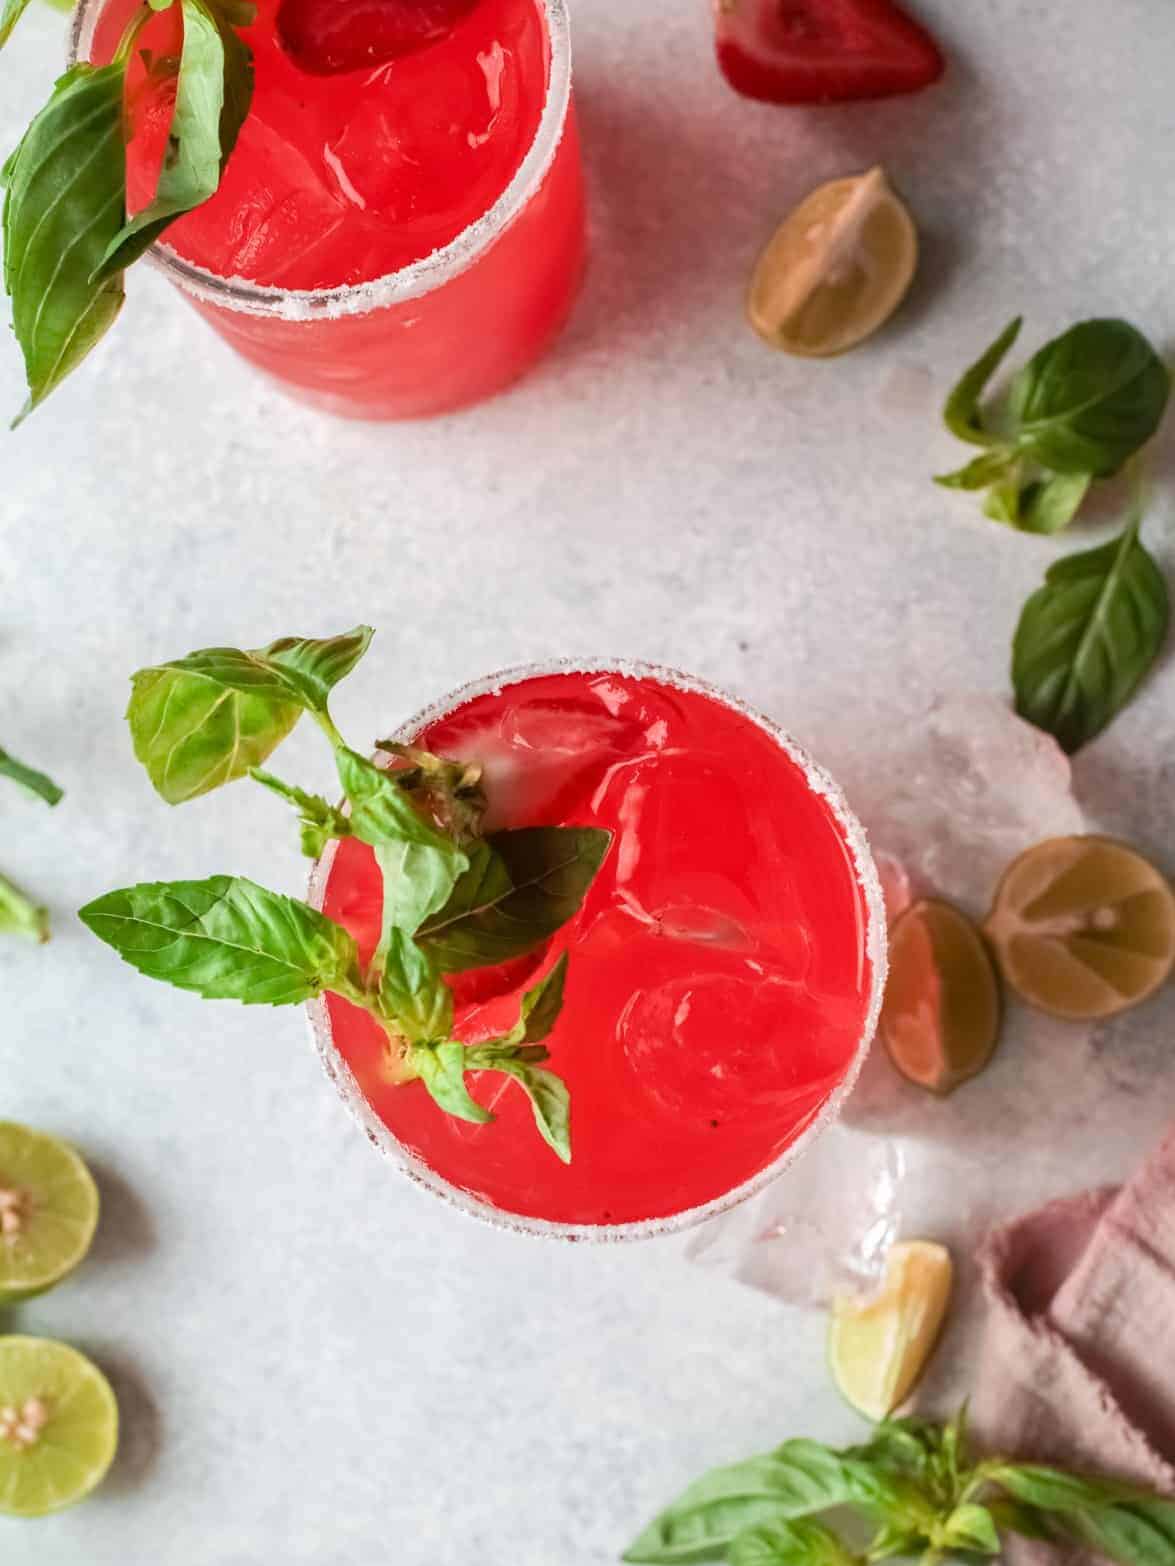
419, 277
821, 783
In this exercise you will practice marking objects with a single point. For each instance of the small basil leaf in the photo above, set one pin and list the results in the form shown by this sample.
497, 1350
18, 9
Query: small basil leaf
549, 1100
65, 201
894, 1539
1090, 398
382, 812
442, 1070
800, 1478
1053, 1490
1005, 497
204, 127
971, 1527
28, 778
542, 1004
19, 915
1088, 637
310, 667
412, 993
962, 415
1050, 504
11, 13
798, 1543
1017, 1517
321, 821
980, 472
520, 888
225, 939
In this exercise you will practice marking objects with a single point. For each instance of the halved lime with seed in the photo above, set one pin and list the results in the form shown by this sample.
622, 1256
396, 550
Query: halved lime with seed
1083, 927
941, 1019
879, 1347
58, 1426
48, 1211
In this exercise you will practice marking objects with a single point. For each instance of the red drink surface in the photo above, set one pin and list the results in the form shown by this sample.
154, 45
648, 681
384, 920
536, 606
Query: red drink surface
719, 984
338, 180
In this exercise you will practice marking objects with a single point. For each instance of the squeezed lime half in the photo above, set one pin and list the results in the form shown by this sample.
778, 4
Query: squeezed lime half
879, 1347
58, 1426
48, 1211
941, 1019
1083, 927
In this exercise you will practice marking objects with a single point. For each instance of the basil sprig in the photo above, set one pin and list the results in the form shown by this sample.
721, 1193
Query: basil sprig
451, 899
19, 913
1088, 637
916, 1490
67, 236
1077, 411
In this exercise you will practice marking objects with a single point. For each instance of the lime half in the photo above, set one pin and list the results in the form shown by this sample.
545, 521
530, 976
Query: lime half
1083, 927
58, 1426
879, 1347
48, 1211
941, 1017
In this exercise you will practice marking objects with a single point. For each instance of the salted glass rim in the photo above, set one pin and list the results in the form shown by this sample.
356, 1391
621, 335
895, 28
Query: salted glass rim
475, 1206
410, 282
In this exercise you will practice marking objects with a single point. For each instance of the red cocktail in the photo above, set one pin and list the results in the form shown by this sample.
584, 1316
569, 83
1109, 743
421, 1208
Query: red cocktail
726, 966
389, 240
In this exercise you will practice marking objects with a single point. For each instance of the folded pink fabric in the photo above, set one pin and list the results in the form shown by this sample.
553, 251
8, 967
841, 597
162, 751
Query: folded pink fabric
1078, 1363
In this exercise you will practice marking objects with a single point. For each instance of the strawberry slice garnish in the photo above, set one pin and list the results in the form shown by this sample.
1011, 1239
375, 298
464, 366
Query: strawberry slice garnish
823, 51
329, 36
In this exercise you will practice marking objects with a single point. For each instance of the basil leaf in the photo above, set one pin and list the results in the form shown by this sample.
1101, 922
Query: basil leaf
542, 1005
1089, 399
1088, 637
1053, 1490
981, 472
11, 14
417, 881
202, 721
1139, 1533
961, 414
321, 821
19, 915
204, 127
442, 1070
65, 201
28, 778
549, 1100
520, 888
1004, 497
225, 939
971, 1527
383, 812
412, 993
1050, 504
1017, 1517
797, 1543
800, 1478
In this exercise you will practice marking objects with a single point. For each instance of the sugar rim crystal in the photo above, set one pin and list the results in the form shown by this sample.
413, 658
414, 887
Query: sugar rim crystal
875, 949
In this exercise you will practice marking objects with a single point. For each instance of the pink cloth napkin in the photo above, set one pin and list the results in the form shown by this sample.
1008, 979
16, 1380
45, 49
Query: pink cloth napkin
1078, 1363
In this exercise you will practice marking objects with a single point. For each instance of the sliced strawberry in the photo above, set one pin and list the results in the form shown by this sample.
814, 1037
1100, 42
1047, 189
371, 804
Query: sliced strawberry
823, 51
329, 36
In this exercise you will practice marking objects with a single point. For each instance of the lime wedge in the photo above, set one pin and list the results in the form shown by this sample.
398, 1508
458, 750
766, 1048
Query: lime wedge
48, 1211
1083, 927
835, 269
941, 1019
58, 1426
879, 1347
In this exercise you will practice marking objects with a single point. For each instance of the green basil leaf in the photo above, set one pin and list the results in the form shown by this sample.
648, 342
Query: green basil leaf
1090, 398
520, 888
798, 1479
19, 915
65, 201
442, 1070
1088, 637
971, 1527
799, 1543
1053, 1490
321, 821
542, 1005
982, 471
1138, 1533
204, 127
412, 992
28, 778
1018, 1517
383, 812
11, 13
894, 1539
549, 1100
225, 939
1004, 498
417, 881
962, 415
1050, 504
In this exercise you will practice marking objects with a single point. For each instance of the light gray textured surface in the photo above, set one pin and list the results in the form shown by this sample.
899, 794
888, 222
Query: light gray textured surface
318, 1365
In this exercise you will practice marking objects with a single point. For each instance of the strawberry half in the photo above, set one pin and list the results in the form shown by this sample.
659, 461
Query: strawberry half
329, 36
823, 51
